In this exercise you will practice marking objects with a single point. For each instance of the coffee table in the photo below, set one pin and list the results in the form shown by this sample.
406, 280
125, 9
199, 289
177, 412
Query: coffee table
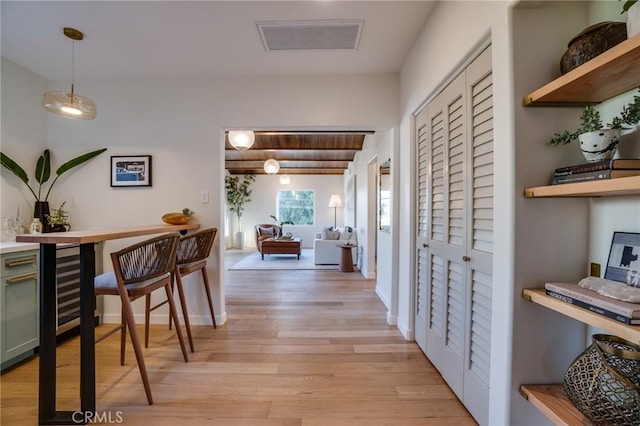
281, 246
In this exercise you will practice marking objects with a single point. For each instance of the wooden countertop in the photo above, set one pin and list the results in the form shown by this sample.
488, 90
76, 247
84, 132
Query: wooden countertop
97, 235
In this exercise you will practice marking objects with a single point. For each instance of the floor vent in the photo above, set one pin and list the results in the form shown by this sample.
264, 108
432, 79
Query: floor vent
310, 35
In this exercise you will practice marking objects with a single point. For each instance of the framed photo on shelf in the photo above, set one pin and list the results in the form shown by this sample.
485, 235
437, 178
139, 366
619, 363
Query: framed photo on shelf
624, 259
132, 170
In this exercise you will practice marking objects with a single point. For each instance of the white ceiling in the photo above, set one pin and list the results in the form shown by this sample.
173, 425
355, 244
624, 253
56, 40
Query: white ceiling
198, 39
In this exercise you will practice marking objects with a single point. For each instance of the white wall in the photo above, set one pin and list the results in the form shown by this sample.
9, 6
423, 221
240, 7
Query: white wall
263, 203
181, 124
24, 136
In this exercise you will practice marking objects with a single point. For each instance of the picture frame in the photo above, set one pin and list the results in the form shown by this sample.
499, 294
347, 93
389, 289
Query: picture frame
132, 170
623, 264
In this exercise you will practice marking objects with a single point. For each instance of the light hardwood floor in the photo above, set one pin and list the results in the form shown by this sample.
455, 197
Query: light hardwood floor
308, 348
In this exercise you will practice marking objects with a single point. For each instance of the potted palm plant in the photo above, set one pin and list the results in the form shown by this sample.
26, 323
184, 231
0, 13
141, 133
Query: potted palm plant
598, 142
238, 194
42, 175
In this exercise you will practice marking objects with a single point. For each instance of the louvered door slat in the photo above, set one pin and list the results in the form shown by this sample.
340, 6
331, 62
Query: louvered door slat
437, 178
436, 311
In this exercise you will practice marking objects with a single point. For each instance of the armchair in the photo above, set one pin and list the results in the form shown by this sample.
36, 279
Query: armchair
264, 231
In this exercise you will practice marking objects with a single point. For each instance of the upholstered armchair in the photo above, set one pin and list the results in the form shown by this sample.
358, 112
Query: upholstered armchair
264, 231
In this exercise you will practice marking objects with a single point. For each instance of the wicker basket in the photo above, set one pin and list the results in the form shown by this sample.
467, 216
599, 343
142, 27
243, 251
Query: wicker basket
603, 382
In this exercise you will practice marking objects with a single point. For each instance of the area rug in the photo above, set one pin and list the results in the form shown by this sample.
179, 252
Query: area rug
279, 261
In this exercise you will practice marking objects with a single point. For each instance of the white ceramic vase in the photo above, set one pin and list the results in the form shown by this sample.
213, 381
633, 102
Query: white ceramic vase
238, 240
599, 145
633, 20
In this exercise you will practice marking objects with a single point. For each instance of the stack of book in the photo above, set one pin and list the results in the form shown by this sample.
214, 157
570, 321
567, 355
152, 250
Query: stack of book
606, 169
625, 312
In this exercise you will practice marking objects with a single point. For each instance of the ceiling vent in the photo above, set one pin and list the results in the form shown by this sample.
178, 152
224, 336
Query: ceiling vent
310, 35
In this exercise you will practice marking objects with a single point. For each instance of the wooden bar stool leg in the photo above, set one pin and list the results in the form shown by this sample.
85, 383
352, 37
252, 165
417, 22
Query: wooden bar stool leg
147, 317
183, 303
128, 313
174, 313
205, 280
123, 335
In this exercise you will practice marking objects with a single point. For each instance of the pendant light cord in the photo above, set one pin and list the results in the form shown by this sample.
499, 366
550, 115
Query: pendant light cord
73, 65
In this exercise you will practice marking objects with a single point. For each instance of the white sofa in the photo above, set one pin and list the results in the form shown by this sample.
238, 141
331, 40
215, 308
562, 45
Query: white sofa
327, 252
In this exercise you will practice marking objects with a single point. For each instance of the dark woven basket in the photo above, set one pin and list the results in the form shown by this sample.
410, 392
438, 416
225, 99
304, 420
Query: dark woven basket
604, 380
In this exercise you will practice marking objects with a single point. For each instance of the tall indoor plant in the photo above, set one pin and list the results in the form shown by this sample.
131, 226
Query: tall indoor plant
42, 175
238, 194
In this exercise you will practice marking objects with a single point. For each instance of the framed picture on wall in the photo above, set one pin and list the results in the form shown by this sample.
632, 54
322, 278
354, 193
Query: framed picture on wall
131, 170
624, 259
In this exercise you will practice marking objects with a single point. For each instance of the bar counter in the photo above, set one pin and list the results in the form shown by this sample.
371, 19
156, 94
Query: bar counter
47, 413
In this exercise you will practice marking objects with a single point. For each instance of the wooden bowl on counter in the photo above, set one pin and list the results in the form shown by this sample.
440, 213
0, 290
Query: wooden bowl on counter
175, 218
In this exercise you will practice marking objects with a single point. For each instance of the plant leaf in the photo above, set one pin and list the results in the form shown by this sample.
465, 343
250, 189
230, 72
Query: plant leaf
627, 5
78, 160
14, 168
43, 167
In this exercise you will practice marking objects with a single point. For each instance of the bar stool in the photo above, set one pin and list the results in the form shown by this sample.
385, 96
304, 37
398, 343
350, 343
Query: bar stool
139, 270
191, 256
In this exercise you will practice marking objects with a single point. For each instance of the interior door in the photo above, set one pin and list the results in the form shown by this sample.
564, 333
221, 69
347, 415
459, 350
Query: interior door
422, 233
479, 236
447, 237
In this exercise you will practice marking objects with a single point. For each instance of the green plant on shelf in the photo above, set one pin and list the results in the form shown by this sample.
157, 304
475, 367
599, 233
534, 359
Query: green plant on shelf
590, 121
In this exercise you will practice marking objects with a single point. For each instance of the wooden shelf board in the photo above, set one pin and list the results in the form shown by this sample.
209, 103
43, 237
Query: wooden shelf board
597, 188
605, 76
628, 332
553, 402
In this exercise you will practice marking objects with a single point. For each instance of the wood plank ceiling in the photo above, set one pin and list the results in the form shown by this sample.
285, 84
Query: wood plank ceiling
317, 153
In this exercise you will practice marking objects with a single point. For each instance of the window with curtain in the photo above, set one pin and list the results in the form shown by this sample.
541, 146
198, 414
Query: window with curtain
297, 206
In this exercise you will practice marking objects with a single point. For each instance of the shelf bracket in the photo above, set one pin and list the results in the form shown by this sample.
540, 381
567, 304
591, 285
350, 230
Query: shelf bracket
526, 297
523, 394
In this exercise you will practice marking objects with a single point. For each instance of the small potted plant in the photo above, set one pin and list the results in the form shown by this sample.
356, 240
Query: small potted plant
598, 142
58, 220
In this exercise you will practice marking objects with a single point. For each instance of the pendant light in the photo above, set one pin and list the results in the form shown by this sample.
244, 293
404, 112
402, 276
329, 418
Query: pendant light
69, 104
241, 139
271, 166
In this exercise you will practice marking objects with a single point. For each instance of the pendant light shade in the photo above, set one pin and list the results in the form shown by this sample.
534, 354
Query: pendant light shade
241, 139
285, 180
69, 104
271, 166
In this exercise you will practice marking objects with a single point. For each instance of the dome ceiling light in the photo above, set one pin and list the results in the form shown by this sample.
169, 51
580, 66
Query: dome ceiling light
69, 104
241, 139
271, 166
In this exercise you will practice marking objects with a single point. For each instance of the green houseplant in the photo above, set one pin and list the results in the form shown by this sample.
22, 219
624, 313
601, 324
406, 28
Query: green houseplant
58, 220
238, 194
599, 142
42, 175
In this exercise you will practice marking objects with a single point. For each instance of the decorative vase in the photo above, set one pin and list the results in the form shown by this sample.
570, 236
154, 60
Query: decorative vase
238, 240
633, 20
41, 211
599, 145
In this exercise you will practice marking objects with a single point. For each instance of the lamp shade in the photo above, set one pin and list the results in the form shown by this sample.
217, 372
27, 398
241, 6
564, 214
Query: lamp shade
241, 139
335, 201
69, 105
285, 180
271, 166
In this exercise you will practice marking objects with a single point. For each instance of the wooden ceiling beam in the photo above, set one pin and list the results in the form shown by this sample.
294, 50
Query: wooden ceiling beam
299, 155
282, 171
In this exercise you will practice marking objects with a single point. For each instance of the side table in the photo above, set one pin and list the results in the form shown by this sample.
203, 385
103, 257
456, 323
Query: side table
346, 260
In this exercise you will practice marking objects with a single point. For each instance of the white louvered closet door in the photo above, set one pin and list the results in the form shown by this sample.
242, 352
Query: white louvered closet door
447, 307
422, 233
479, 236
454, 268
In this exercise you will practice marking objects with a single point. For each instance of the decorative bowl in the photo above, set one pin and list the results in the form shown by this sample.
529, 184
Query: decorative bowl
175, 218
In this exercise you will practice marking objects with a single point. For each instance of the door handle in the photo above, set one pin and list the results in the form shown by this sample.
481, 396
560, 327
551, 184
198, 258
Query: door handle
425, 245
466, 258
